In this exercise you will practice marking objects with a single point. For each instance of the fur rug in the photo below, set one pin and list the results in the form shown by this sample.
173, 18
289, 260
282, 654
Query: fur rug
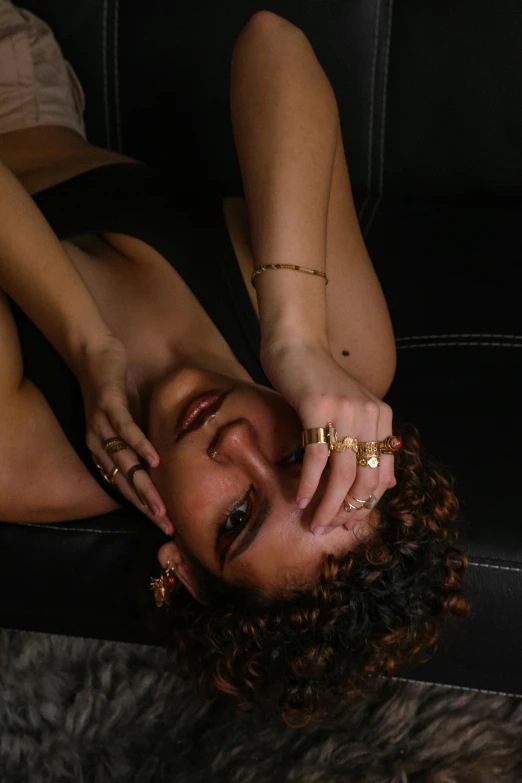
90, 711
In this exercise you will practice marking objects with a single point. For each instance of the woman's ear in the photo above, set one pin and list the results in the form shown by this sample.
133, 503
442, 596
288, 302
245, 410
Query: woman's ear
183, 570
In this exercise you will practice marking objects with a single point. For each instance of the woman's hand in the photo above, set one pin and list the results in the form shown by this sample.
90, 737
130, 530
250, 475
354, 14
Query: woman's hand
321, 391
103, 374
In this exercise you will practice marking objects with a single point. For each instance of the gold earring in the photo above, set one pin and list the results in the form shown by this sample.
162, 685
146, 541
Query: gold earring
163, 585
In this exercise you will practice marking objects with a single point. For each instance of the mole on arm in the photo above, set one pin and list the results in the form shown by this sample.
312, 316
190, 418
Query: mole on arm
346, 353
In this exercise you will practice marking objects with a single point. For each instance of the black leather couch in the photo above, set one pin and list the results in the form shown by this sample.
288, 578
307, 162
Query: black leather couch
430, 98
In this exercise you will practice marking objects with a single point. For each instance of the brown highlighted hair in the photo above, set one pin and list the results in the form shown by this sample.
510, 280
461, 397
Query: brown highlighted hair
307, 649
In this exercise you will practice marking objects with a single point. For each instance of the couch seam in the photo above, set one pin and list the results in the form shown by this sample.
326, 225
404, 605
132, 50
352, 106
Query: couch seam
459, 687
464, 334
372, 101
498, 567
383, 121
43, 526
370, 221
116, 73
385, 96
460, 343
105, 77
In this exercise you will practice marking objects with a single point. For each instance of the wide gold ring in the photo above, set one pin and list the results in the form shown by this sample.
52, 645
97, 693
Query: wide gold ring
329, 436
113, 445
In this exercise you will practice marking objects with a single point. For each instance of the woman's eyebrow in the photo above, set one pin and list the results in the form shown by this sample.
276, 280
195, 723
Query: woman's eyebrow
253, 529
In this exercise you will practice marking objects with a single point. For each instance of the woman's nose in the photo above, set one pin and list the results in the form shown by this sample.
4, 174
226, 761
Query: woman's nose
236, 440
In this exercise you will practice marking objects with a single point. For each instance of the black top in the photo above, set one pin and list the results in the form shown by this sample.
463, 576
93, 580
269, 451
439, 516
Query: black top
134, 199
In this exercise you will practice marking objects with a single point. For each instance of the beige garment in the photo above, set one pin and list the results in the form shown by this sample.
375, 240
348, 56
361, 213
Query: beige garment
37, 86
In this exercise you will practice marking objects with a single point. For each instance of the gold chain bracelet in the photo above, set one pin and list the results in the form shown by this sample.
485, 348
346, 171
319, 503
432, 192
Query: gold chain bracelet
288, 266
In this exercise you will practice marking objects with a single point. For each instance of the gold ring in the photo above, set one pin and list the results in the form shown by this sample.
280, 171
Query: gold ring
112, 445
130, 477
352, 508
109, 477
369, 503
110, 441
122, 446
95, 460
329, 436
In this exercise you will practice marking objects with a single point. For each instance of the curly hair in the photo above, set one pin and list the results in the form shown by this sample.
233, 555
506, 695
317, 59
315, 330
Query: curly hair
378, 607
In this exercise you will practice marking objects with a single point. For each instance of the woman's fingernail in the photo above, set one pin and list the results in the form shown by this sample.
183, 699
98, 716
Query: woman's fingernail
303, 502
166, 527
322, 531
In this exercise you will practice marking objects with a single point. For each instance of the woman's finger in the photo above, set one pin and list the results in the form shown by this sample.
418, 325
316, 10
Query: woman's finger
141, 491
387, 481
360, 490
315, 460
125, 426
345, 472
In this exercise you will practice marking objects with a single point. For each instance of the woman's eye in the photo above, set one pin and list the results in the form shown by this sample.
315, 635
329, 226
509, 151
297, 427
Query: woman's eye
295, 457
240, 515
238, 518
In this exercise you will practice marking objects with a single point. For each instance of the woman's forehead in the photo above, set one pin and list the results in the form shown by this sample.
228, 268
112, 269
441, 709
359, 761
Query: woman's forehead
276, 557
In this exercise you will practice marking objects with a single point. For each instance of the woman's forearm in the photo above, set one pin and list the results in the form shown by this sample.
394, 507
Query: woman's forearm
285, 122
38, 275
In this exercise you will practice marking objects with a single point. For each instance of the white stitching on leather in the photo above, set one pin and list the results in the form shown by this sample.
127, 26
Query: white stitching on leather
363, 207
56, 529
116, 74
372, 99
499, 567
368, 225
105, 78
383, 124
372, 93
463, 687
444, 345
459, 687
470, 334
384, 95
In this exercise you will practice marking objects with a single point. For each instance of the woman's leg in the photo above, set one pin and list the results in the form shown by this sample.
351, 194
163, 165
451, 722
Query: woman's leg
298, 195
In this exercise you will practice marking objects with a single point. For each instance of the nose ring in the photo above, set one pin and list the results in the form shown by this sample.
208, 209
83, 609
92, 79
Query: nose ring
213, 455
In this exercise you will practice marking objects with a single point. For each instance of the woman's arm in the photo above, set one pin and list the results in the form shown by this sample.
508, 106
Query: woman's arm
287, 133
284, 116
300, 207
37, 274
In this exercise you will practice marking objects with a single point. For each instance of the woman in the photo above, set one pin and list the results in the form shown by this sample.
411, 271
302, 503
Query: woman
253, 602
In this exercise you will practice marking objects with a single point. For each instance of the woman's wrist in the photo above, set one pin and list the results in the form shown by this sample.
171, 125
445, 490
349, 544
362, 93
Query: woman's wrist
291, 305
280, 343
86, 342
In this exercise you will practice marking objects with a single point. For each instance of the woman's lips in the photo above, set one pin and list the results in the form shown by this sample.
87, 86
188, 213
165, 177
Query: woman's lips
193, 416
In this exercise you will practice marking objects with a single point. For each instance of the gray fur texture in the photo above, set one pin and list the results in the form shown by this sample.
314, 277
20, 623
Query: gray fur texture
90, 711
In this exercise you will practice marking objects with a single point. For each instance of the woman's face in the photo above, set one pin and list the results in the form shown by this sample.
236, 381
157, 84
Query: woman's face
253, 430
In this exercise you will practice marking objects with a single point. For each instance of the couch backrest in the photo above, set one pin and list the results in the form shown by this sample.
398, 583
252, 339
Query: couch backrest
429, 93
